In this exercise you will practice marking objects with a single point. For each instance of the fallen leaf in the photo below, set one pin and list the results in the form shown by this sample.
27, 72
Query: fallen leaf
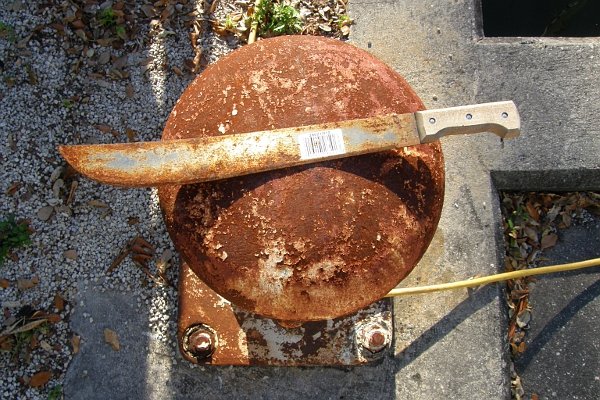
23, 283
130, 133
549, 241
59, 302
111, 338
29, 326
133, 221
54, 318
70, 254
4, 283
44, 345
146, 61
23, 42
13, 188
523, 319
177, 71
148, 10
44, 213
105, 42
57, 186
189, 65
96, 203
129, 90
103, 128
40, 379
75, 341
104, 58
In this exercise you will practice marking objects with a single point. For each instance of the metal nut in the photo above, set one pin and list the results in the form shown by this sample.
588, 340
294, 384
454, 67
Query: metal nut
201, 341
375, 340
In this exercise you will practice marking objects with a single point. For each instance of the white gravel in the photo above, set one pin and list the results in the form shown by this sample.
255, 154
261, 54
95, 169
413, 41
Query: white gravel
34, 120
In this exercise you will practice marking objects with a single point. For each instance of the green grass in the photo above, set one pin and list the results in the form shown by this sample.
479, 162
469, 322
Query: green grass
12, 235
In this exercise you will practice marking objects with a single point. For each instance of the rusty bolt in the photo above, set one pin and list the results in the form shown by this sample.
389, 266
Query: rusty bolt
375, 340
201, 343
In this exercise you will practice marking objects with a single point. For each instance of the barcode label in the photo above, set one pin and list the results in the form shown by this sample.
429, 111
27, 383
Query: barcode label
321, 144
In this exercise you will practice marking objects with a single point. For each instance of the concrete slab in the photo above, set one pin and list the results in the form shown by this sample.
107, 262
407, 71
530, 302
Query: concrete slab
562, 360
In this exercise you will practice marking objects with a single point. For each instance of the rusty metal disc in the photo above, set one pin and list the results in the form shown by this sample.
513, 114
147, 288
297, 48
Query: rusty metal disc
313, 242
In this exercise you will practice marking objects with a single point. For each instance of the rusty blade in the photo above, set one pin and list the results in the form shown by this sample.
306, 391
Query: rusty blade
218, 157
186, 161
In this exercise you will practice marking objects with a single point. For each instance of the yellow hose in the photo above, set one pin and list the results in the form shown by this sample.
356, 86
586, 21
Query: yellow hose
494, 278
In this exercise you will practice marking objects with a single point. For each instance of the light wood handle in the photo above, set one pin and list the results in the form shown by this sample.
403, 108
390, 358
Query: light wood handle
501, 118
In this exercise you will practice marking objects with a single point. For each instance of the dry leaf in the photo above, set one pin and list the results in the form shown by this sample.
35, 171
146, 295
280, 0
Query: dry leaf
129, 90
40, 379
23, 283
130, 133
133, 221
44, 345
146, 61
59, 303
23, 42
54, 318
111, 338
148, 10
13, 188
103, 128
70, 254
177, 71
75, 341
96, 203
549, 240
104, 58
44, 213
4, 283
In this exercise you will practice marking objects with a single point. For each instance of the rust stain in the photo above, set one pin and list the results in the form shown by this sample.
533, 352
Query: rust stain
243, 338
307, 243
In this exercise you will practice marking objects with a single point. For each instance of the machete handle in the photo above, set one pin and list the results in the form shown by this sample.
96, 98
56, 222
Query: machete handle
501, 118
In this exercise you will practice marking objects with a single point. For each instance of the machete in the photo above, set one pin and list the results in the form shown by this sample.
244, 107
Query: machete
184, 161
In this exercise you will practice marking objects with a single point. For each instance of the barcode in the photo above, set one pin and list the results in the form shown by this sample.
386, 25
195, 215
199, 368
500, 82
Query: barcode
321, 144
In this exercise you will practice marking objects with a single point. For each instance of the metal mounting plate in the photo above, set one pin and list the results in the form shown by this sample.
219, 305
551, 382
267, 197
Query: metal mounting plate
243, 338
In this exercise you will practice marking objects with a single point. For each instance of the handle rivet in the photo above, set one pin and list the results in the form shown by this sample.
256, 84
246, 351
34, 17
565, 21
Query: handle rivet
504, 115
469, 116
432, 120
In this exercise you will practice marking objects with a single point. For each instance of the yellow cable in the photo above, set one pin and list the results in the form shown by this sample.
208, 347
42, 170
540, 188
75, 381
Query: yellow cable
494, 278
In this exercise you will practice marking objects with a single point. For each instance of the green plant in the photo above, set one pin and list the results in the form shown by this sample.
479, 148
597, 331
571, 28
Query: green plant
55, 393
229, 23
12, 234
8, 32
344, 20
107, 17
277, 18
119, 30
66, 103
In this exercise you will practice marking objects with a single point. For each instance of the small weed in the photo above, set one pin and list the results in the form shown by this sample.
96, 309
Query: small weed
344, 20
107, 17
277, 18
229, 23
66, 103
55, 393
7, 31
12, 235
119, 30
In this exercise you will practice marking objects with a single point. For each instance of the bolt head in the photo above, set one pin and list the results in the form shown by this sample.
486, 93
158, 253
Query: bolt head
201, 343
375, 340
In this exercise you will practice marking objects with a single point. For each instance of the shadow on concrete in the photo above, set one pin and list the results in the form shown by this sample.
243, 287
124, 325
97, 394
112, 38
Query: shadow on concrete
559, 321
476, 301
